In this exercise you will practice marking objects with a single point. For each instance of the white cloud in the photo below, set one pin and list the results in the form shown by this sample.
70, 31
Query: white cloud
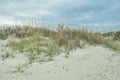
69, 11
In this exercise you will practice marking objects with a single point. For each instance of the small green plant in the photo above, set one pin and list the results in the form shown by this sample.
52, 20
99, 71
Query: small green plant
19, 69
67, 54
31, 57
51, 51
6, 55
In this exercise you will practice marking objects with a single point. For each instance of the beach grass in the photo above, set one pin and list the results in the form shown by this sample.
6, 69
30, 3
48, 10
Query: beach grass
42, 44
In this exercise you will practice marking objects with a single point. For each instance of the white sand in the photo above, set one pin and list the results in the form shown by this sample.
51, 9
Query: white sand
91, 63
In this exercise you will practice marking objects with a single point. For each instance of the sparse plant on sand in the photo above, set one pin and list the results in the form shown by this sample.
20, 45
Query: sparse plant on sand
19, 69
6, 55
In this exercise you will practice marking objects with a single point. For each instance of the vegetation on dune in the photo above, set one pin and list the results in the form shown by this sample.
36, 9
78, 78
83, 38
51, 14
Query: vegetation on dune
41, 44
117, 35
66, 35
36, 47
113, 35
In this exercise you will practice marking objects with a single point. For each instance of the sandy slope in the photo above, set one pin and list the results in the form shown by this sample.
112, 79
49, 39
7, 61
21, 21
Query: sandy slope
91, 63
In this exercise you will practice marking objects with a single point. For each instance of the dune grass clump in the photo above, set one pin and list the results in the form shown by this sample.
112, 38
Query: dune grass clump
36, 47
113, 35
6, 55
25, 31
3, 34
72, 37
117, 35
67, 37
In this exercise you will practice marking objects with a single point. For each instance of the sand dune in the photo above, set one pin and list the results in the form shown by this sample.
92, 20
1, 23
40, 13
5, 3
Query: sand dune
90, 63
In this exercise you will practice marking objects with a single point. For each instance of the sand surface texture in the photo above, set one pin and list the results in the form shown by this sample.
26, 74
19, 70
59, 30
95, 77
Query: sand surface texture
90, 63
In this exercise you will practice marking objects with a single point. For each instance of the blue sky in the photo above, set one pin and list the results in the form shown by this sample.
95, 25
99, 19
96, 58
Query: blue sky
62, 11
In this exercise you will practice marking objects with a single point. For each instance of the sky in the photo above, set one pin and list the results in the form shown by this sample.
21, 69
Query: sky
75, 12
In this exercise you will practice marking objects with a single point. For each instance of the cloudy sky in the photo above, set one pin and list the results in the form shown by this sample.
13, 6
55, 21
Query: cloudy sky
61, 11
